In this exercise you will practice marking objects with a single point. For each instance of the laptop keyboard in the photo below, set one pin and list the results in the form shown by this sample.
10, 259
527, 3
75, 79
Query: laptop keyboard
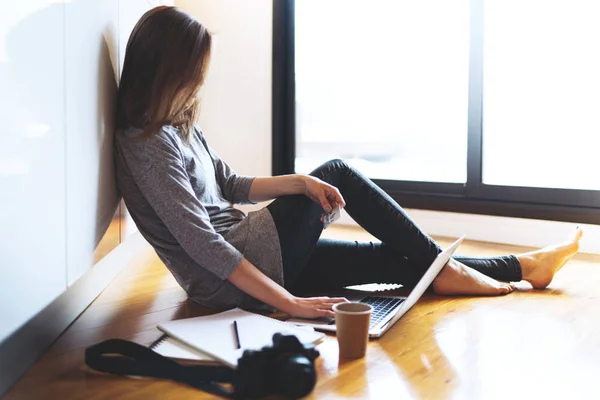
381, 307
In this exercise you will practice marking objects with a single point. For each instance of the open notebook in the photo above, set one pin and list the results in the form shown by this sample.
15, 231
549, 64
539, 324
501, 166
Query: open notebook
172, 348
214, 334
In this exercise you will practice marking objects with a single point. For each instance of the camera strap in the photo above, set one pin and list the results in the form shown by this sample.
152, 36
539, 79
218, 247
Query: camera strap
122, 357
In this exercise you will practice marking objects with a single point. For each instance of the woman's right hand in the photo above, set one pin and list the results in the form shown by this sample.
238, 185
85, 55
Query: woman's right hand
254, 282
313, 307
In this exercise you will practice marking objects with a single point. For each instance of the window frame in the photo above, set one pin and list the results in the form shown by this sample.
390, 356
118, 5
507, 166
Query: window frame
473, 197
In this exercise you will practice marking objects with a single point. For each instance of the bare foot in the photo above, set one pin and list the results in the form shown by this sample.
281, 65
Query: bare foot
539, 266
456, 279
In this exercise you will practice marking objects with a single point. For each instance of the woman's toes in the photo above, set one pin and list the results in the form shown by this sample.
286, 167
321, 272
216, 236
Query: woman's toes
505, 289
539, 267
576, 235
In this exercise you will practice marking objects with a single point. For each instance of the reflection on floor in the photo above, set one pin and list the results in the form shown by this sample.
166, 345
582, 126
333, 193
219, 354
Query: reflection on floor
120, 227
528, 345
110, 240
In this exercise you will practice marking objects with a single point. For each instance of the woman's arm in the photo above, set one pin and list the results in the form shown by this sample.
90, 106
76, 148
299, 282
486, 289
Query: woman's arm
156, 165
252, 281
267, 188
244, 189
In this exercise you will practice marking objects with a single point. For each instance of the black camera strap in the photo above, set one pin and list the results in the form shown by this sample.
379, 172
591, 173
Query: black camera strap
122, 357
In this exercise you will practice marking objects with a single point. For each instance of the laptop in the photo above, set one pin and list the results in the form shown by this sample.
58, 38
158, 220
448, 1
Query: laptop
387, 310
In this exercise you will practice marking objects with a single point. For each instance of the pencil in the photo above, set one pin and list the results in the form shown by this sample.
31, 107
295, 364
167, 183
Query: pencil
237, 335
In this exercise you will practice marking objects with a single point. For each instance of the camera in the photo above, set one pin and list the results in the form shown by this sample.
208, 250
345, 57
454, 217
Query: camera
285, 369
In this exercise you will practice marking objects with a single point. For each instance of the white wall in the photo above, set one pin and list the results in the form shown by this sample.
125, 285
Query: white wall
236, 102
59, 62
32, 159
90, 70
237, 113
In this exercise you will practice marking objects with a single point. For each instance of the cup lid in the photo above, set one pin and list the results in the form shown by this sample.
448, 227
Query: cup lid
354, 308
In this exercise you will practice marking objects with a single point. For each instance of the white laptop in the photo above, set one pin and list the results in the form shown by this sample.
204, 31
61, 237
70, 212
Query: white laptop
387, 310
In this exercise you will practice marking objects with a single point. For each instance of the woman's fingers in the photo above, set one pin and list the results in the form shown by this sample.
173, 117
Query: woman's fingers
331, 199
335, 300
326, 195
329, 300
320, 196
325, 305
325, 204
326, 313
314, 307
336, 197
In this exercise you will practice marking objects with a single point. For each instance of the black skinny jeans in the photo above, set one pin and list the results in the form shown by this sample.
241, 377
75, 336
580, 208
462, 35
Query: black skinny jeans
311, 264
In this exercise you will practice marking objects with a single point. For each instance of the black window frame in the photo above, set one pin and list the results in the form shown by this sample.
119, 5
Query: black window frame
473, 197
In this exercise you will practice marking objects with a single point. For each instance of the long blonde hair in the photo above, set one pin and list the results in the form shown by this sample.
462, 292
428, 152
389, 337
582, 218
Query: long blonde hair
165, 65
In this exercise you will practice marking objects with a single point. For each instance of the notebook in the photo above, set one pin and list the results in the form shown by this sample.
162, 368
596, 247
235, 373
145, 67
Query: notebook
214, 334
180, 352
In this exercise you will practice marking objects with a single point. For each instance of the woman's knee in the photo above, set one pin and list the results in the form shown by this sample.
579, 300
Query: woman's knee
329, 167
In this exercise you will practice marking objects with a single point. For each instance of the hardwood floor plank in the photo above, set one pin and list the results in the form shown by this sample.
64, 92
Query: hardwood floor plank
530, 344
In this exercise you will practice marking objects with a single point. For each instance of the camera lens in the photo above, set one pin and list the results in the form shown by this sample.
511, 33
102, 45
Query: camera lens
296, 376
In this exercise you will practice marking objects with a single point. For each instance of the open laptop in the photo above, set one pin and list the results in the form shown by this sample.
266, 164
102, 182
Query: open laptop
387, 310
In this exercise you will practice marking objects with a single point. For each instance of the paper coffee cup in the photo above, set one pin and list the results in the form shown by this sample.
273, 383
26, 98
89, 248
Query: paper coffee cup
352, 328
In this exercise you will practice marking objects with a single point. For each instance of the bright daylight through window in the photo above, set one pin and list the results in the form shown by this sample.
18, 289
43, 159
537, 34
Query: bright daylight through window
384, 85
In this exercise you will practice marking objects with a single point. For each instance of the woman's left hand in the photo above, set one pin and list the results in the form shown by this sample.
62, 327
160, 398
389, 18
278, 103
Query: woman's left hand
323, 193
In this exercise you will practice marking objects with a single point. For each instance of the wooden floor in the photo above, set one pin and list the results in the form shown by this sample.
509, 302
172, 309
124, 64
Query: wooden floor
529, 345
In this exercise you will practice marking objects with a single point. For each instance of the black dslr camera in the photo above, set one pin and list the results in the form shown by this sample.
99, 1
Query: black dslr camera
285, 369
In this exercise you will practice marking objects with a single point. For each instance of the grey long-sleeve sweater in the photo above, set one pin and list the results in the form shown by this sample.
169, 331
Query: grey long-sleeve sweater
180, 196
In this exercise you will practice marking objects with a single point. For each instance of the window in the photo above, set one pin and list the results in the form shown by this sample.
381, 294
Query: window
541, 97
463, 105
359, 99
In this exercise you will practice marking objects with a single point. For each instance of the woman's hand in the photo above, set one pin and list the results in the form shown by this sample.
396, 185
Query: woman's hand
252, 281
313, 307
323, 193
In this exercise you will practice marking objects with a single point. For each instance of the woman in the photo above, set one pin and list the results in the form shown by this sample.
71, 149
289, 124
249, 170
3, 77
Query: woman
180, 195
